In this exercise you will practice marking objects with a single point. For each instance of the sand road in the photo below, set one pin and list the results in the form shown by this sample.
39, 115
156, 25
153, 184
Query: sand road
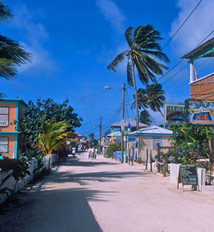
85, 195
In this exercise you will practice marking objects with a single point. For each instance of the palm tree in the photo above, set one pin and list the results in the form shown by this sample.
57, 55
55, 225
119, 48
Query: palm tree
155, 97
152, 97
143, 55
11, 52
53, 136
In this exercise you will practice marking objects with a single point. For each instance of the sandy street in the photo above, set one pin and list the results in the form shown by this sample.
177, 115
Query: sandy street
85, 195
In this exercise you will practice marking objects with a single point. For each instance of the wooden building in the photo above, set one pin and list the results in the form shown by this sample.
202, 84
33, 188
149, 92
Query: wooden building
11, 140
201, 88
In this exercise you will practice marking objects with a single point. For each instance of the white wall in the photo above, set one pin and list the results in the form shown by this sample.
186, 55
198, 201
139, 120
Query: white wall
10, 182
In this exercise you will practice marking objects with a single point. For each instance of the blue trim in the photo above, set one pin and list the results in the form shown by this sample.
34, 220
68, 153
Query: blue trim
9, 132
17, 116
13, 100
15, 146
153, 134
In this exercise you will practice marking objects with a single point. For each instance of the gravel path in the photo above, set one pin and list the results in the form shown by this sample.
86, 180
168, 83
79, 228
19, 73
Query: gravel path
102, 195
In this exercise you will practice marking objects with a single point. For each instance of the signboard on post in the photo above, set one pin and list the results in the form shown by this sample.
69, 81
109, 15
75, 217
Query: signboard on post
187, 175
200, 112
174, 114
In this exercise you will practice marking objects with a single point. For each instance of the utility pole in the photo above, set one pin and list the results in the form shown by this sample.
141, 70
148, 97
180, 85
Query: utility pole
122, 129
100, 131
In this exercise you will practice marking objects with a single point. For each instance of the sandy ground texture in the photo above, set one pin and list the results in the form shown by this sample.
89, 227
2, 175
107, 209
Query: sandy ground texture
85, 195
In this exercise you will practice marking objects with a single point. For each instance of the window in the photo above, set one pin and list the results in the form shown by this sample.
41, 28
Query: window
4, 116
156, 140
3, 144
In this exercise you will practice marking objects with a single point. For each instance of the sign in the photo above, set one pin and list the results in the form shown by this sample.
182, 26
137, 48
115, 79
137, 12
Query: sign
174, 114
187, 175
200, 112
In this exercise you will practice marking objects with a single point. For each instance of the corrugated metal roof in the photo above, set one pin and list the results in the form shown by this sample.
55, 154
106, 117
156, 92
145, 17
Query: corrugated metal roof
153, 130
128, 121
115, 133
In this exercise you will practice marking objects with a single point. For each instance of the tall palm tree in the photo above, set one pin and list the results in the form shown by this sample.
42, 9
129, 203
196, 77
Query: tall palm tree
152, 97
53, 136
11, 52
143, 56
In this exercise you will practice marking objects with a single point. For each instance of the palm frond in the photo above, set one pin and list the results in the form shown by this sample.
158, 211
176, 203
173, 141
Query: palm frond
129, 36
53, 136
129, 73
118, 59
10, 49
156, 54
5, 12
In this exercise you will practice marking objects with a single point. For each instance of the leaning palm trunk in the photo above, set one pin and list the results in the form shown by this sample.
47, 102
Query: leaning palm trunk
136, 97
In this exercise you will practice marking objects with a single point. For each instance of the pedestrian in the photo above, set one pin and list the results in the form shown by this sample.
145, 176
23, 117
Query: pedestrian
89, 153
94, 153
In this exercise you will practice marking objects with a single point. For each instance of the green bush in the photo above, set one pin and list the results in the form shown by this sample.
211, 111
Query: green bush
112, 148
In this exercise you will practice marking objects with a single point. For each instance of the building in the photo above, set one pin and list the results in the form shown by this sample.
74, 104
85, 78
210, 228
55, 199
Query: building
126, 123
149, 138
201, 88
11, 140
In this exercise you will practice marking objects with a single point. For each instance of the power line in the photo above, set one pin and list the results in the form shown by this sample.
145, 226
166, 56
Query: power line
175, 74
181, 61
182, 25
170, 69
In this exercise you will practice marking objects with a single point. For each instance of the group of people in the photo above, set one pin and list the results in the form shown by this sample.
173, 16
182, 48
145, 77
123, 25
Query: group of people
92, 153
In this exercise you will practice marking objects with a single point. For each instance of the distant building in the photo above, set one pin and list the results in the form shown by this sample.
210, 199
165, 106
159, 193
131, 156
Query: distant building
11, 140
149, 138
127, 123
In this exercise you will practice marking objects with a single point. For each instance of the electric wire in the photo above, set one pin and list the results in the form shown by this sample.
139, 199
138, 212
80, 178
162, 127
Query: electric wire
182, 24
187, 63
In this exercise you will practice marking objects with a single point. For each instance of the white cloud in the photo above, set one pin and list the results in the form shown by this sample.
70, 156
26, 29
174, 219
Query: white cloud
112, 13
199, 25
34, 37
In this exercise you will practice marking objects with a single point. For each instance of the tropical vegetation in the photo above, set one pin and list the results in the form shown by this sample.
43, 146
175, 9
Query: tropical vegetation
54, 112
192, 142
53, 136
151, 97
143, 55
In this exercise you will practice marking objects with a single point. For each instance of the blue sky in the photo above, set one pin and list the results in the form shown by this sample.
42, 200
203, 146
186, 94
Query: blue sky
73, 42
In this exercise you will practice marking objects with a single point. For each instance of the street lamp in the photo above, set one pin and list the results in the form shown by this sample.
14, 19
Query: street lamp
123, 110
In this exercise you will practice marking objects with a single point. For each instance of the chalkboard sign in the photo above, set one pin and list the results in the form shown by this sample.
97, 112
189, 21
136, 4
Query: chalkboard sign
188, 175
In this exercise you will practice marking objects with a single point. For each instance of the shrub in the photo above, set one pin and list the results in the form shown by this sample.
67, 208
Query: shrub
112, 148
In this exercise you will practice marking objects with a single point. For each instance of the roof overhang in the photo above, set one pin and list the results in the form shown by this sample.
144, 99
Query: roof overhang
204, 50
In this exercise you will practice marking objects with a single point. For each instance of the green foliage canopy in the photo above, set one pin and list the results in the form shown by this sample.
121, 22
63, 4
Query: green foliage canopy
53, 112
190, 142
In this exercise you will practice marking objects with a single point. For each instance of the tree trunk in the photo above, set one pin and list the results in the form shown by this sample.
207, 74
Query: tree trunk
136, 97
